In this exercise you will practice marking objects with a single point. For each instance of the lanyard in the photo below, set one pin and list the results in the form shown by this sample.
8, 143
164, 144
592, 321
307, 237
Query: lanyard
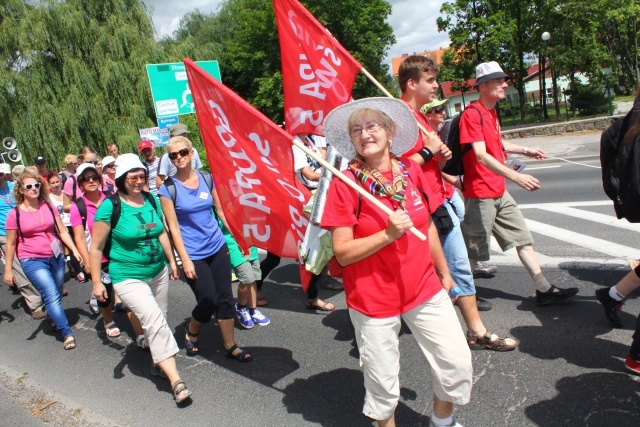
41, 221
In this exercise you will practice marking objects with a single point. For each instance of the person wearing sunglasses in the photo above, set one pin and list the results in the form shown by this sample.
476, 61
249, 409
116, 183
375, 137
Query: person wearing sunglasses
202, 248
35, 233
109, 174
71, 187
166, 167
138, 257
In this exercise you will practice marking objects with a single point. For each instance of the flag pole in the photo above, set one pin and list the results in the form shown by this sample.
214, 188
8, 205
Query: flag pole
352, 184
387, 93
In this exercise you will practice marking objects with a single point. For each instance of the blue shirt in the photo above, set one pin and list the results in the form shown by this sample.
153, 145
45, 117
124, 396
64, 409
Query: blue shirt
201, 234
6, 204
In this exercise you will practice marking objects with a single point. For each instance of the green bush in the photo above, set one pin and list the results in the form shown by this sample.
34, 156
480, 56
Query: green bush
589, 100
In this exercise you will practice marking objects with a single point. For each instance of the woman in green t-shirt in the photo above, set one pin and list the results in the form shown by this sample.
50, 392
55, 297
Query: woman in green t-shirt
139, 250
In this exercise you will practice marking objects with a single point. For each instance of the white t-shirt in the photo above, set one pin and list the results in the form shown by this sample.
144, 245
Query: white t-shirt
166, 168
302, 160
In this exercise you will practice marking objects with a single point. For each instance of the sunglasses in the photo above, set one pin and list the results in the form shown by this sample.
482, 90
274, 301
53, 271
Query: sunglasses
88, 178
183, 153
110, 165
137, 178
30, 186
438, 110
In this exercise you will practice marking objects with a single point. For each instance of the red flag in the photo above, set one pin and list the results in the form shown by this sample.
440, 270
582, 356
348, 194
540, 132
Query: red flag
317, 72
252, 162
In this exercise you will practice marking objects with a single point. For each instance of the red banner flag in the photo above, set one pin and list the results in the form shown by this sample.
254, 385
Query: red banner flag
318, 73
252, 162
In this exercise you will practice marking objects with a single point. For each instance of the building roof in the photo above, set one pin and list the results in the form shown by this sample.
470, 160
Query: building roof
435, 54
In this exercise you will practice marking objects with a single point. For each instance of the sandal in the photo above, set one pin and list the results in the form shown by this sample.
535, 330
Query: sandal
180, 391
190, 346
486, 343
70, 343
262, 301
111, 329
311, 305
242, 356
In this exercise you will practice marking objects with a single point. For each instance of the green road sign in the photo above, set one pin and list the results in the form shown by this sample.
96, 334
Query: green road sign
170, 87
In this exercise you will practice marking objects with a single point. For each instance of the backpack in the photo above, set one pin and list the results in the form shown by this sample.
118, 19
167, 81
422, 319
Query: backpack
621, 169
55, 223
450, 135
171, 188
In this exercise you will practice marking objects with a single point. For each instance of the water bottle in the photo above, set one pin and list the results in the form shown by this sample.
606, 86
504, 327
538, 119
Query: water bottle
455, 292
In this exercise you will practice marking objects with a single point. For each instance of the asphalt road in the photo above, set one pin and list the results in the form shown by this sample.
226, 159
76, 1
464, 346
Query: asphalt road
568, 369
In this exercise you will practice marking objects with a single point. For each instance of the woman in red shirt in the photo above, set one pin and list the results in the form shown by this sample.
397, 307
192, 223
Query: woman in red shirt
389, 273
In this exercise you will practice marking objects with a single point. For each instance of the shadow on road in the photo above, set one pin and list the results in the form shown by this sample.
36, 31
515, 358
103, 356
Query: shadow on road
593, 399
335, 398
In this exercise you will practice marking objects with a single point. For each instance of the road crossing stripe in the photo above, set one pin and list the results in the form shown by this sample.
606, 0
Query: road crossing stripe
573, 204
592, 216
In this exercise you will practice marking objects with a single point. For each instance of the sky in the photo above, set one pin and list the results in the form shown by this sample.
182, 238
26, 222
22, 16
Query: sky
413, 22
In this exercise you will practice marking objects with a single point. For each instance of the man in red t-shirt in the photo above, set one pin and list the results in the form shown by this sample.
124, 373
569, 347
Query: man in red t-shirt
417, 78
490, 209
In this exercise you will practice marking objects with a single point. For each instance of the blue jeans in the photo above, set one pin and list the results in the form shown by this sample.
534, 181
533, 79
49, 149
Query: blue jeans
455, 253
458, 205
47, 275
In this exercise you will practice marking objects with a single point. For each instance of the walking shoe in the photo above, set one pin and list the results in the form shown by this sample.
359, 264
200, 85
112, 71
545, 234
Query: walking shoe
332, 283
483, 304
484, 270
142, 342
244, 318
632, 365
611, 306
80, 277
259, 318
454, 423
93, 305
554, 295
38, 313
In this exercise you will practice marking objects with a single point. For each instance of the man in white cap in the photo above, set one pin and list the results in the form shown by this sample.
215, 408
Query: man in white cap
31, 296
165, 167
490, 209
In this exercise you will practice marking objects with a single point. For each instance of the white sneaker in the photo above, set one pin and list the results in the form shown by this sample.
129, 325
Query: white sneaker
454, 423
93, 304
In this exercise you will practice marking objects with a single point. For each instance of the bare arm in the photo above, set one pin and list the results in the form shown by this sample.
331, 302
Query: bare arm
81, 244
218, 206
308, 173
66, 202
432, 141
439, 261
349, 250
9, 254
172, 222
535, 152
525, 181
168, 253
99, 235
66, 239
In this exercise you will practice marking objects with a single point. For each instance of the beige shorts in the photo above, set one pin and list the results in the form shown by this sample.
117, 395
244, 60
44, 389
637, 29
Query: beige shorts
248, 272
435, 326
500, 217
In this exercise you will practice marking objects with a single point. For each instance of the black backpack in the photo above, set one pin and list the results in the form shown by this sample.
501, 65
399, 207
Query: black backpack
621, 169
450, 135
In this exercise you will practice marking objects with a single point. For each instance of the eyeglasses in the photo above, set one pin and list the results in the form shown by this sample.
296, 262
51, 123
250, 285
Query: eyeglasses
437, 110
183, 153
30, 186
356, 132
88, 178
137, 178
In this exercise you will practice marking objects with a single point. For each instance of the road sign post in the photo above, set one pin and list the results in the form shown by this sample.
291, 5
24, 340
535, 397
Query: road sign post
170, 87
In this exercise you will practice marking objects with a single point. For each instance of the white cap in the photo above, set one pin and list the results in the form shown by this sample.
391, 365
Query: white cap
5, 168
83, 167
488, 71
107, 160
127, 162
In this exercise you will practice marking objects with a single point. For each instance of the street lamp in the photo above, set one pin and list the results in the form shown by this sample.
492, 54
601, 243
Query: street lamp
543, 96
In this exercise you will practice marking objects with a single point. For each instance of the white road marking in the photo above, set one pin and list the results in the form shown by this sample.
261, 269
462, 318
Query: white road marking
571, 204
592, 216
542, 167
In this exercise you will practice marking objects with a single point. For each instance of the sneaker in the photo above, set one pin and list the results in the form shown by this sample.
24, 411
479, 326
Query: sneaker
142, 342
632, 365
483, 304
38, 313
259, 318
611, 306
454, 423
554, 295
332, 283
484, 270
244, 318
80, 278
93, 305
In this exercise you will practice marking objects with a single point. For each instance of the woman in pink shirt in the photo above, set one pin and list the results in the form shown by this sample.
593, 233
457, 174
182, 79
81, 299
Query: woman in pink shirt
35, 232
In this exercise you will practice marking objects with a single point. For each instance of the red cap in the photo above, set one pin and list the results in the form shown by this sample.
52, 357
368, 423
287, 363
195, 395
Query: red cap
145, 143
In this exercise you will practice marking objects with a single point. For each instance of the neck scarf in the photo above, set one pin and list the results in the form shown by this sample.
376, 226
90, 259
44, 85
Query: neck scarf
375, 182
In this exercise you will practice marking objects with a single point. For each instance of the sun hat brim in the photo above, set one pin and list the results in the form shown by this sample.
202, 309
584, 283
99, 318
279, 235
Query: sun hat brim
336, 125
486, 78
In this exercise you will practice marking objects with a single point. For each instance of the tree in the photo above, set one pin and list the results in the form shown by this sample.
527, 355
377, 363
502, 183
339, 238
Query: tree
246, 34
74, 74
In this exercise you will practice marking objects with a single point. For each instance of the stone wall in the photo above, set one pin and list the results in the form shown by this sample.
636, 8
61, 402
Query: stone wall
598, 123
